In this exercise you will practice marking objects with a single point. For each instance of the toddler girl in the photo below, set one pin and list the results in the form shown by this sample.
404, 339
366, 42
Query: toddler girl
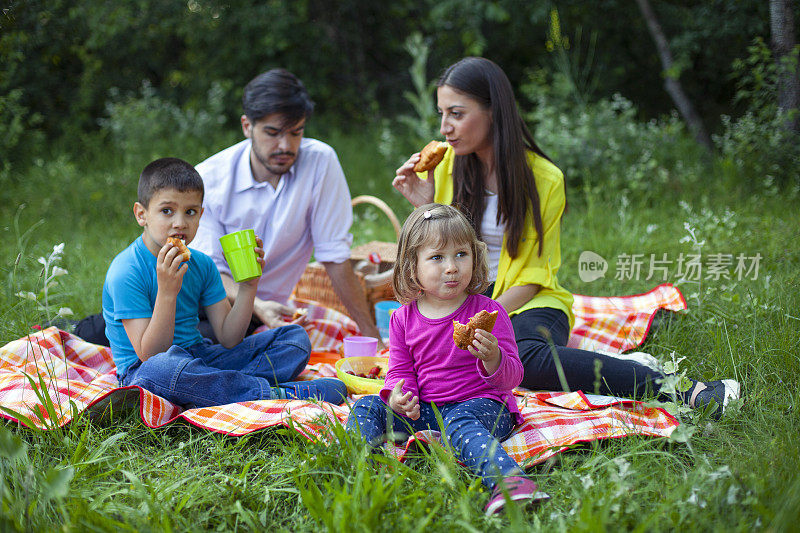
440, 273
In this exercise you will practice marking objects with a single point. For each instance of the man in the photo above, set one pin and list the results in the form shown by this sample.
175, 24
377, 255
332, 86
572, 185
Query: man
292, 191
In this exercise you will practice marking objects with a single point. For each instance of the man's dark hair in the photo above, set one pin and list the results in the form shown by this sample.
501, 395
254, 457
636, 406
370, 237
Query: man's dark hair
168, 173
277, 91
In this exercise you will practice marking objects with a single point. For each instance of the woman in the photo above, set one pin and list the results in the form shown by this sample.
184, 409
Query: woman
515, 196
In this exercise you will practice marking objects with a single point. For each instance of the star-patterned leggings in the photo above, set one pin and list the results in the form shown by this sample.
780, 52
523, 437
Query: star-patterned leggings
474, 429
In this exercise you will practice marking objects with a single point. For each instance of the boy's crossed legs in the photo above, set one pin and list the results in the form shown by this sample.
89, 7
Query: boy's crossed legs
261, 367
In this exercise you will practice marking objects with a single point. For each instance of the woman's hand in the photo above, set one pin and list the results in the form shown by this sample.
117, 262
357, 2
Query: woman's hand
485, 348
404, 404
417, 191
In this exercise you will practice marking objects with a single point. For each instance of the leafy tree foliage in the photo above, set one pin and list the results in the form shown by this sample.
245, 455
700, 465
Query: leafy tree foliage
65, 56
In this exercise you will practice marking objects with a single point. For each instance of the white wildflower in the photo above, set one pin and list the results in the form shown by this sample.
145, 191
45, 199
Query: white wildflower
42, 261
624, 467
27, 295
733, 490
723, 471
58, 271
694, 499
64, 311
58, 249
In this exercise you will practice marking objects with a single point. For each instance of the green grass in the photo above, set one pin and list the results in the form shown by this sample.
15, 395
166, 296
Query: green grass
738, 474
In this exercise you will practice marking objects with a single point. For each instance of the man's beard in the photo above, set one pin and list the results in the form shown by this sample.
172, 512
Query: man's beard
273, 169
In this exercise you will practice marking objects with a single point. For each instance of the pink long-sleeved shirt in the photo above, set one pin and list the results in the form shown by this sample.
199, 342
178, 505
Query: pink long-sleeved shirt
423, 353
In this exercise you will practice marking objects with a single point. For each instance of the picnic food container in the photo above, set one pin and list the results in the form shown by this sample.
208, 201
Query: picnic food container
238, 249
383, 312
357, 346
315, 285
361, 365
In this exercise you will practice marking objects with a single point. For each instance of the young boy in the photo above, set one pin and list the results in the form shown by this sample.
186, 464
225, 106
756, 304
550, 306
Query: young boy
151, 299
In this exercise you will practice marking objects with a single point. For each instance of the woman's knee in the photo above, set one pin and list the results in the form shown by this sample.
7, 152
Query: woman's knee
541, 326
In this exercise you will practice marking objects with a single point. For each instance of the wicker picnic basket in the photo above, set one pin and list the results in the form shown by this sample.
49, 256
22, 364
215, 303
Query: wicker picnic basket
315, 285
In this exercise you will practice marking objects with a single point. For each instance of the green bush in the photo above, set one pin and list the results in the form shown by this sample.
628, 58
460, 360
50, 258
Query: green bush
759, 145
603, 145
17, 135
147, 126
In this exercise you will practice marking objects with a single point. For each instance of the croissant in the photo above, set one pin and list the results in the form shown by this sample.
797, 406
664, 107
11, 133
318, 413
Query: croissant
430, 156
464, 334
182, 249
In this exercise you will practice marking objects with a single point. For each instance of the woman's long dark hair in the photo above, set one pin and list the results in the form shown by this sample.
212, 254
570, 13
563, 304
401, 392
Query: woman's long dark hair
484, 81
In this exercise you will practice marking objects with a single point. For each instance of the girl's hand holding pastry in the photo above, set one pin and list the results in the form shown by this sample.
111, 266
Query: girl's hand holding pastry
484, 347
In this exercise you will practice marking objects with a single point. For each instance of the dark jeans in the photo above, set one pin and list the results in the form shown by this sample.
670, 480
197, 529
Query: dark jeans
543, 331
210, 374
93, 328
474, 428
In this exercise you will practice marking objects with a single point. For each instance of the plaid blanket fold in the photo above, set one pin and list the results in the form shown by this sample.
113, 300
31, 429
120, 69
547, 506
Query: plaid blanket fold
50, 376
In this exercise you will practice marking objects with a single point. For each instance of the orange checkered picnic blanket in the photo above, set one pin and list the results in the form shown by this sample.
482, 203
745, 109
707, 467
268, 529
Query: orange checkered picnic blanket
616, 324
49, 377
608, 324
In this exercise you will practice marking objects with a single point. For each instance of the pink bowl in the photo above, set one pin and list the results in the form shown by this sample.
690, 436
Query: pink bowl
356, 346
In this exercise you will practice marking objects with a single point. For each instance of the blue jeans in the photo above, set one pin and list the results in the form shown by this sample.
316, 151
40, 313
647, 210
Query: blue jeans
473, 428
209, 374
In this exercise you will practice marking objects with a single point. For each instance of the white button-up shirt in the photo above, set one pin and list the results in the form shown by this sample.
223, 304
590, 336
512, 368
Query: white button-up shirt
309, 211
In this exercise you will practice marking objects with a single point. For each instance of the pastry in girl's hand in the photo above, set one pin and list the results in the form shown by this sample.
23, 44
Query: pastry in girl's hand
430, 156
464, 334
182, 249
298, 313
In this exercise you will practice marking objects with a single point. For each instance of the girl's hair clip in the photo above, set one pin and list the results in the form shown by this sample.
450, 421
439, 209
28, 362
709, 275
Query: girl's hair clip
427, 214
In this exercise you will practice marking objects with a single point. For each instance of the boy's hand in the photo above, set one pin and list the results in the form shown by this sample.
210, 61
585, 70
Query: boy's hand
169, 270
253, 283
485, 348
404, 404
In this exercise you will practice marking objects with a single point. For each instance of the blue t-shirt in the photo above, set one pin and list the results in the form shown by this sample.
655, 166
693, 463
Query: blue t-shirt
130, 292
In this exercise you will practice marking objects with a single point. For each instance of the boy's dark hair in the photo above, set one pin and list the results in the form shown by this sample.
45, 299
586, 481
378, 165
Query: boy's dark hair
277, 91
168, 173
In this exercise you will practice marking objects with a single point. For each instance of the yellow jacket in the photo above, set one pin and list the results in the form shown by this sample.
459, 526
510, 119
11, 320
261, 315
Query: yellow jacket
528, 267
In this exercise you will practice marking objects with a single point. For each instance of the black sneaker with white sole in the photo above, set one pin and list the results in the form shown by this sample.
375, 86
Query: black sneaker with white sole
717, 395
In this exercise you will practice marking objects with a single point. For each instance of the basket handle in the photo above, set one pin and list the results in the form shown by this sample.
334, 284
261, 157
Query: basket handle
383, 206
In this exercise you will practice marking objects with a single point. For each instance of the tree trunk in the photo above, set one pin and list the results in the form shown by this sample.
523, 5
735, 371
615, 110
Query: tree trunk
781, 20
671, 84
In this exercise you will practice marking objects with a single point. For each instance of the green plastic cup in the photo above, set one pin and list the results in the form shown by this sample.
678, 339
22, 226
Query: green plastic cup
242, 259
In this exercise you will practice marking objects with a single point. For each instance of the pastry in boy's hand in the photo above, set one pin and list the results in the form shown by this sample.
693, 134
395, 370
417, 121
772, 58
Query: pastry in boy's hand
182, 249
298, 313
430, 156
464, 334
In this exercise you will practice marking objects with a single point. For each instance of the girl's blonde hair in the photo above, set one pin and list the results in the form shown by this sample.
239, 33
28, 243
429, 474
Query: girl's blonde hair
437, 225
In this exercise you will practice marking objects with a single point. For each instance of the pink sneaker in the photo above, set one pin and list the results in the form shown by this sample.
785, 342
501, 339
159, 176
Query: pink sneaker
519, 488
